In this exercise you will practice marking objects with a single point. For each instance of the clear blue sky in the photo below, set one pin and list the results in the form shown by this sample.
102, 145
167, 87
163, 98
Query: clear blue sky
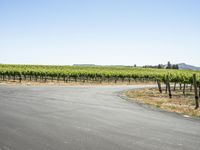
111, 32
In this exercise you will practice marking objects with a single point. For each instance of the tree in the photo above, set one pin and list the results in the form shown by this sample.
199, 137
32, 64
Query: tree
169, 66
175, 66
160, 66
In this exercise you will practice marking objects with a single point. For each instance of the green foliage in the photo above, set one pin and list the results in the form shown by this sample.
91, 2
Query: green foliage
178, 76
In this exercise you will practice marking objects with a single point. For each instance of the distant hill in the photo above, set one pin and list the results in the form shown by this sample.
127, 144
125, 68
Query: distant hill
87, 65
183, 66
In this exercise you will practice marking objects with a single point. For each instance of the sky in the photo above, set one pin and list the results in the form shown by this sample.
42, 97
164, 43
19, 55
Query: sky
103, 32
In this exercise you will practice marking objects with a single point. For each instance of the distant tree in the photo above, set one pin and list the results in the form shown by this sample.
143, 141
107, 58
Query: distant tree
169, 66
160, 66
157, 66
175, 66
135, 65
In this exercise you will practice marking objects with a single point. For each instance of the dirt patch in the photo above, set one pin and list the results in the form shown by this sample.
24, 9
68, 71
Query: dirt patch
72, 83
183, 104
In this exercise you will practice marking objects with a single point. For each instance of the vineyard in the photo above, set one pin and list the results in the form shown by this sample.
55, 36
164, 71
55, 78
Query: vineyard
82, 73
42, 73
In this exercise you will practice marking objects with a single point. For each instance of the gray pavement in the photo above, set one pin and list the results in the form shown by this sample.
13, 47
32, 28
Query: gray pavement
88, 118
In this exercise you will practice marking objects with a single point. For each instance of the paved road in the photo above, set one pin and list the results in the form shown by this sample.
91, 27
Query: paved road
88, 118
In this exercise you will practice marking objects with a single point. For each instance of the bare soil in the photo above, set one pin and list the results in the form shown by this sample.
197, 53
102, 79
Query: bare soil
71, 83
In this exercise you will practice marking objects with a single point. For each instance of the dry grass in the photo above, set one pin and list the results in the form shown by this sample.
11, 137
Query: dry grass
72, 83
183, 104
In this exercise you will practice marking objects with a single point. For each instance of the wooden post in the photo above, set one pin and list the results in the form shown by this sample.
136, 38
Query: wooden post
184, 89
175, 86
180, 86
159, 86
195, 91
166, 86
199, 91
115, 80
129, 80
169, 88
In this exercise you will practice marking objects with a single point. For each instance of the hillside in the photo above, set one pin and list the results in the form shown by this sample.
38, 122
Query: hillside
184, 66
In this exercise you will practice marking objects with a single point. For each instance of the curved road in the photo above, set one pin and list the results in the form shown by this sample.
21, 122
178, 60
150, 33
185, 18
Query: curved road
88, 118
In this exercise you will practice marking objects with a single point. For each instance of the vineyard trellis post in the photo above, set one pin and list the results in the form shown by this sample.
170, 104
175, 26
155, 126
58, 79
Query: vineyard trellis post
180, 86
168, 87
195, 92
184, 86
199, 91
175, 86
159, 86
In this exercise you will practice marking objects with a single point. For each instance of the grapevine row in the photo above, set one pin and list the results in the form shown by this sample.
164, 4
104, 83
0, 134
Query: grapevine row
98, 73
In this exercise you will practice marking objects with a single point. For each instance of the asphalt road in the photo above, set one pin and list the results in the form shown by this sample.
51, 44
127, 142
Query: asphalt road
88, 118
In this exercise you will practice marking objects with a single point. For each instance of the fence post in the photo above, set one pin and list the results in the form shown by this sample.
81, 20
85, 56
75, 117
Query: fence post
166, 86
159, 86
169, 88
184, 86
175, 86
195, 91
